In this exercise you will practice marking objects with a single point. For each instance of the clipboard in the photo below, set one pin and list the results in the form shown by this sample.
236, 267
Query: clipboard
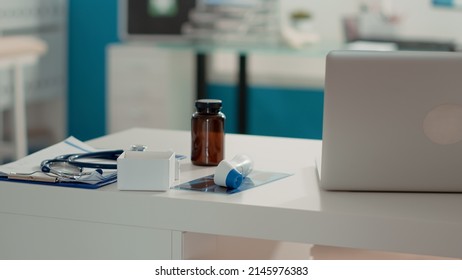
27, 169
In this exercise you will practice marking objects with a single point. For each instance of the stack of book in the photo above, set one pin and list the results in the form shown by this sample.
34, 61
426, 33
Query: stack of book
235, 22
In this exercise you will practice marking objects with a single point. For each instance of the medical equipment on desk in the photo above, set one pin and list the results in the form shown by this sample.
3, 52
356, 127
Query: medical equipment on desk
232, 176
72, 166
147, 171
231, 173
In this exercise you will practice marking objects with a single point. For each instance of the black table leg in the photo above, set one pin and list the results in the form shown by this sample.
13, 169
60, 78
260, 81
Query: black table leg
201, 75
242, 94
201, 87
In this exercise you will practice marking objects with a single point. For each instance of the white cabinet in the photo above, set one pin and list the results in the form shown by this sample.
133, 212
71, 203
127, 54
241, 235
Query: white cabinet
34, 237
149, 87
38, 237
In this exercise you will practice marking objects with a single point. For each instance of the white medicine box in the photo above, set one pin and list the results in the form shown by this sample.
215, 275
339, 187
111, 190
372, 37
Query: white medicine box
145, 171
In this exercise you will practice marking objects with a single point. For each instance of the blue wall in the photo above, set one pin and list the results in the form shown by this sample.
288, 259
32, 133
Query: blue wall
92, 26
275, 111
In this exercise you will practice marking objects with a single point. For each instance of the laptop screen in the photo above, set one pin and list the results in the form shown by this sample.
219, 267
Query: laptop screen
392, 121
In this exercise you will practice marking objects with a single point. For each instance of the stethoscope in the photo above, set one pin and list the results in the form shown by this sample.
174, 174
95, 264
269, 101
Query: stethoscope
71, 166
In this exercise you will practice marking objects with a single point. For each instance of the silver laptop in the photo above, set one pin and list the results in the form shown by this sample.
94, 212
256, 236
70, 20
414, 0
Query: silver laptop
392, 121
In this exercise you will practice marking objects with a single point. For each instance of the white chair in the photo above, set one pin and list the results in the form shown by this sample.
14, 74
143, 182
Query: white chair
15, 53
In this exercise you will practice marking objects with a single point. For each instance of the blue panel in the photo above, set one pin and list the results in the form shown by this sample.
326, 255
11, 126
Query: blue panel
445, 3
275, 111
228, 95
92, 26
286, 112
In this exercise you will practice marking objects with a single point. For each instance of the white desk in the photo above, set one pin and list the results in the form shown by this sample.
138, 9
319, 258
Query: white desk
50, 222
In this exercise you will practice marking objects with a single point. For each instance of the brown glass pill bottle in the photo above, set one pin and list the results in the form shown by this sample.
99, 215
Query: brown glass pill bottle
207, 133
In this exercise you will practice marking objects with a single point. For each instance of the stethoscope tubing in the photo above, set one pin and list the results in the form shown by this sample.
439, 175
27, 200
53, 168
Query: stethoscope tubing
74, 159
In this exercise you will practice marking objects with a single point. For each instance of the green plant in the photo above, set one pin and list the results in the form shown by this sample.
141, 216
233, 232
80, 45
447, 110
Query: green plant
300, 15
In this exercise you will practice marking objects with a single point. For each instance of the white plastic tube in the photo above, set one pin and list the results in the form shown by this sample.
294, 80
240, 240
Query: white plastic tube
231, 173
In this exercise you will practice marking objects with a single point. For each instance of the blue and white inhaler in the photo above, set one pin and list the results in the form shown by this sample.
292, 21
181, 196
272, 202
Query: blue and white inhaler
231, 173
